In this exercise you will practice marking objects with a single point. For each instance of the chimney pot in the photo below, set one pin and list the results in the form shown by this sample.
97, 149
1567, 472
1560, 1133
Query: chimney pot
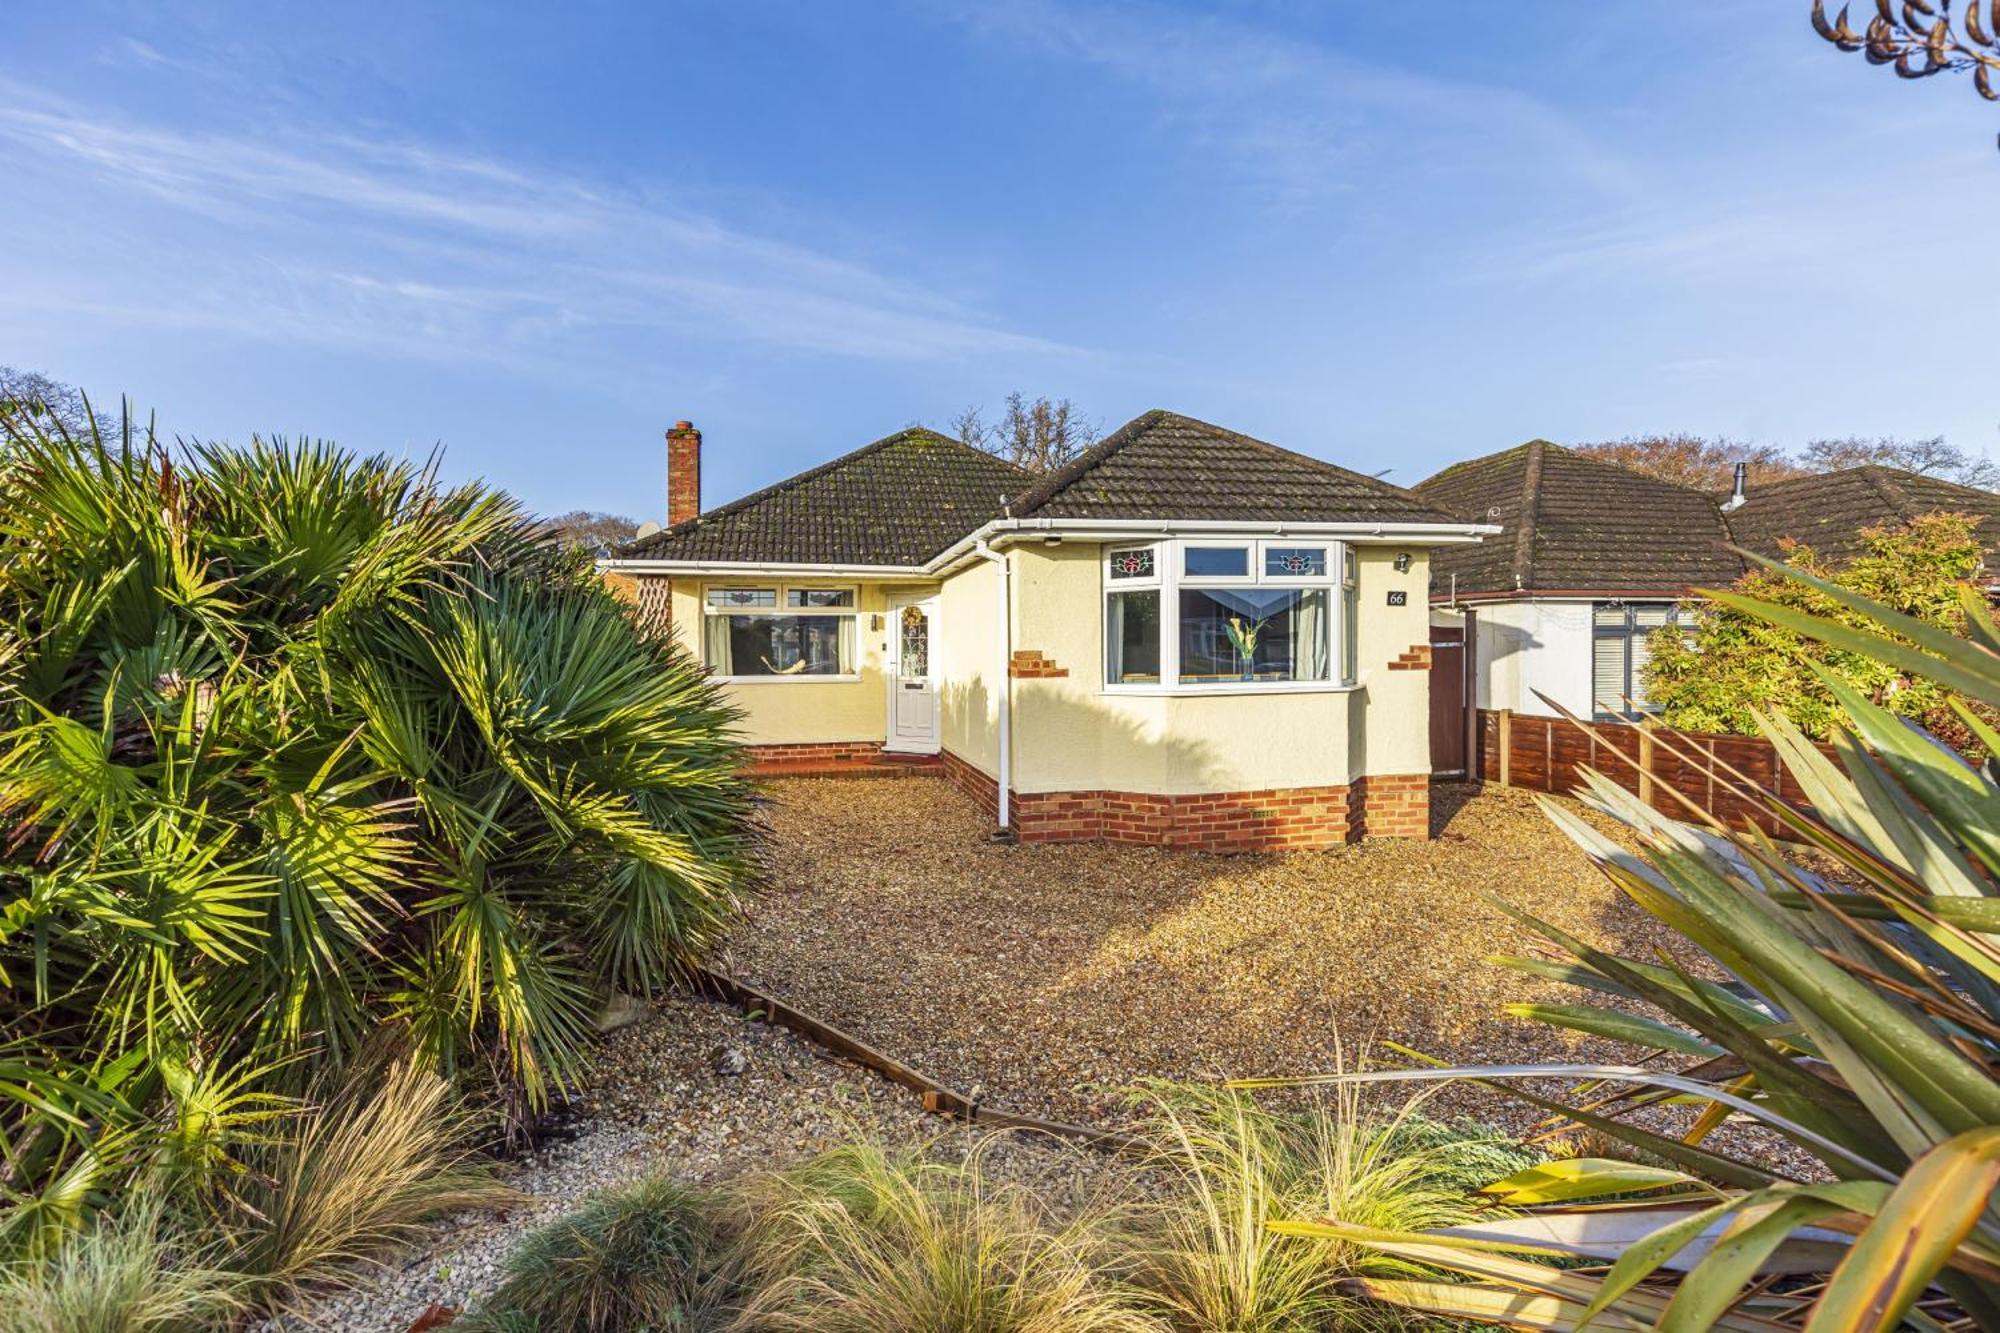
683, 473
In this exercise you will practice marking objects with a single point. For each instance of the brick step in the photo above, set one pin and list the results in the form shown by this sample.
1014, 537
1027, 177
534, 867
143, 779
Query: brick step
879, 766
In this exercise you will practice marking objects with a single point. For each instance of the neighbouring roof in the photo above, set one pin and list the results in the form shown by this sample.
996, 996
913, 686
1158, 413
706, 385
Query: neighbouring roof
1571, 523
898, 501
1828, 511
1162, 465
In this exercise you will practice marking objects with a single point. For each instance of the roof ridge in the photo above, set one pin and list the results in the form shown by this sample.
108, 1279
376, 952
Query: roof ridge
1888, 488
1496, 456
1058, 481
797, 479
1094, 457
1531, 501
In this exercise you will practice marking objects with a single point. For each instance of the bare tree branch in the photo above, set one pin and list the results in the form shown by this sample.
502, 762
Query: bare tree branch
1930, 457
1040, 436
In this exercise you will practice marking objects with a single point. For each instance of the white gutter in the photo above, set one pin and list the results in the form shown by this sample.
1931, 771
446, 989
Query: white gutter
1125, 529
1081, 529
735, 569
1004, 682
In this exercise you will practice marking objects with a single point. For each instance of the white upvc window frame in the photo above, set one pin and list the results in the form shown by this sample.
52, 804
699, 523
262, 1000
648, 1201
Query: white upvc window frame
781, 593
1168, 578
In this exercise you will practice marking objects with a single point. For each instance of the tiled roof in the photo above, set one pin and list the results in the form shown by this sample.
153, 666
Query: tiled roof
1162, 465
898, 501
1577, 524
1828, 511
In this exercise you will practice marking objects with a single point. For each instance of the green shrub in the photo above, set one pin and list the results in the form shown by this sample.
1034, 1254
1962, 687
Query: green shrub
863, 1240
299, 744
119, 1275
1206, 1251
643, 1256
1735, 665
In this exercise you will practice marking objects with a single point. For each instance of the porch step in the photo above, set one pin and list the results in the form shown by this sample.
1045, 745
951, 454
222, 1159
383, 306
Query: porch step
877, 766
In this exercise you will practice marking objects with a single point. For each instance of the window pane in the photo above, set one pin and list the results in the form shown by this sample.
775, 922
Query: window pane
1294, 562
779, 645
1350, 612
742, 597
1253, 634
1642, 653
1132, 564
1651, 617
1132, 638
1218, 562
1607, 674
819, 597
1607, 616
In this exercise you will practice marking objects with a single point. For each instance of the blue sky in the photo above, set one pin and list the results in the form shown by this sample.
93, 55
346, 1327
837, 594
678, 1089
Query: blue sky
1392, 236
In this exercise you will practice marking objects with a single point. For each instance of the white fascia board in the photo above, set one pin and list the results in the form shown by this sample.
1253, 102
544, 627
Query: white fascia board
1127, 529
1006, 530
738, 569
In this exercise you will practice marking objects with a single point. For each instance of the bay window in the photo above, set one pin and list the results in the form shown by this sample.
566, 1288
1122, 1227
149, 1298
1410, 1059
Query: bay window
1216, 614
751, 633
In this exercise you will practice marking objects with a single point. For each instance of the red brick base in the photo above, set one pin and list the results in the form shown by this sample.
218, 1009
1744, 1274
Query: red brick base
1284, 819
1393, 805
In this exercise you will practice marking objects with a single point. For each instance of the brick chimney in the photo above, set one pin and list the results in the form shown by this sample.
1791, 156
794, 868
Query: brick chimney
683, 472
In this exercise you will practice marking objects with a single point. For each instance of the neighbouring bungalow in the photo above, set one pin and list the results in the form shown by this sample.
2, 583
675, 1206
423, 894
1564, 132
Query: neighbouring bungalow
1593, 558
1186, 637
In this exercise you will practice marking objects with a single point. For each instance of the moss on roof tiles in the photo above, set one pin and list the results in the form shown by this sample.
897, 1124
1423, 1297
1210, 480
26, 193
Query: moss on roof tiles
898, 501
1575, 523
1162, 465
903, 499
1828, 510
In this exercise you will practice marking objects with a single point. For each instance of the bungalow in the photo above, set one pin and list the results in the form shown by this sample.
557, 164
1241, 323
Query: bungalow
1593, 558
1186, 637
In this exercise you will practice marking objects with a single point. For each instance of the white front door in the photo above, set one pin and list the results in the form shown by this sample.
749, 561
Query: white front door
913, 695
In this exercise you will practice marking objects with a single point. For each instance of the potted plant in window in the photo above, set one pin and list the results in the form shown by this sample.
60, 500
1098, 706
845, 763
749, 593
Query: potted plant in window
1243, 637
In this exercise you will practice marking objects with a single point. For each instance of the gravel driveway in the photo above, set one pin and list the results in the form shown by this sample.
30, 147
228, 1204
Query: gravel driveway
1048, 976
1043, 978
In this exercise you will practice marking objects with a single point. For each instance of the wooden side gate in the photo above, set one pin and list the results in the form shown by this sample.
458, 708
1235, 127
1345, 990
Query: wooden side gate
1451, 715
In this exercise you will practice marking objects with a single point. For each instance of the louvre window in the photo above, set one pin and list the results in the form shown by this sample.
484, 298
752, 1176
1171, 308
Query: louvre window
1620, 647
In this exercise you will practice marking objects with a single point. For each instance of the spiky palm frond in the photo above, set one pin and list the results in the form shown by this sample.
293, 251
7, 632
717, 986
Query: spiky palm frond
295, 744
1858, 1017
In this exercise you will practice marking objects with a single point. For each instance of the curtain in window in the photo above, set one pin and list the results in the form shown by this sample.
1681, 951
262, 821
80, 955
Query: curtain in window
1309, 637
716, 649
1132, 637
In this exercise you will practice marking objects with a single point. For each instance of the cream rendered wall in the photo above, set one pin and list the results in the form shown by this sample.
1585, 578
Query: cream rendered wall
1392, 712
794, 710
1071, 735
966, 657
1527, 646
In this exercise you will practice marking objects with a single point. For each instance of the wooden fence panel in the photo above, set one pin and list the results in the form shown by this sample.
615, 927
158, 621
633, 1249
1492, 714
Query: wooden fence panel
1549, 754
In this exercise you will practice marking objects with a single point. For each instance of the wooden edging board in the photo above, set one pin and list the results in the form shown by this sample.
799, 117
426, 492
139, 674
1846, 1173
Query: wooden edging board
936, 1097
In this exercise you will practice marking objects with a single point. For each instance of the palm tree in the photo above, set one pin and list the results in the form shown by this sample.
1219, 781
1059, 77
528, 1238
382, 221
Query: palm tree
301, 747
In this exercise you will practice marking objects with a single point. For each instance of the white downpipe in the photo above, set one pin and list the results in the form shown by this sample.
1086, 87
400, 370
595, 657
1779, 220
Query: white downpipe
1004, 682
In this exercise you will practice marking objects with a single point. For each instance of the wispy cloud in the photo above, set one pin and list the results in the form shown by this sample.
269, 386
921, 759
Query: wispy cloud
412, 247
1301, 120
